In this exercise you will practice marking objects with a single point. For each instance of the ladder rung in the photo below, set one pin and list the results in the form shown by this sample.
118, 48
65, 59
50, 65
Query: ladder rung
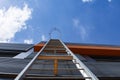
56, 54
55, 48
54, 78
53, 63
53, 69
56, 57
40, 75
51, 46
48, 75
52, 51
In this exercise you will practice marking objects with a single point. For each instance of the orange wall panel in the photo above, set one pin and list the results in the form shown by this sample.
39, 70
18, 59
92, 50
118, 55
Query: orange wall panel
89, 50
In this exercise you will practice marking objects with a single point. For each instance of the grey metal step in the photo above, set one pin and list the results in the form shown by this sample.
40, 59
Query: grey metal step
54, 78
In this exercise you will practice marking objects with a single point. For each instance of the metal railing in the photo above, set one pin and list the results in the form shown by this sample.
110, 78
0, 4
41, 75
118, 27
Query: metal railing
86, 72
83, 69
22, 74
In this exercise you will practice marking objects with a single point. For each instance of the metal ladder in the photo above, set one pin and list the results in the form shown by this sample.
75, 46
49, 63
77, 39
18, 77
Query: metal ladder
56, 51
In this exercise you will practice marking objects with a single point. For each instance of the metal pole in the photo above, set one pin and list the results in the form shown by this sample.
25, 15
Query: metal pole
22, 74
86, 72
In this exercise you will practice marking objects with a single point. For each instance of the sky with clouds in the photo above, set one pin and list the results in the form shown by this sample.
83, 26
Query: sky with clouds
77, 21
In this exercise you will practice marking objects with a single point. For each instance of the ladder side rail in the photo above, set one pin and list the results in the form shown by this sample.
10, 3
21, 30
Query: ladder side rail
22, 74
90, 74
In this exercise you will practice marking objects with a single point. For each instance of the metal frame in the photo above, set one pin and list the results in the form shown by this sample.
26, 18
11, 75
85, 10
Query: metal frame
86, 72
22, 74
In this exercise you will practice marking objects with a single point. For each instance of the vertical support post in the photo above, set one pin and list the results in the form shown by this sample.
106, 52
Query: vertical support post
54, 52
55, 67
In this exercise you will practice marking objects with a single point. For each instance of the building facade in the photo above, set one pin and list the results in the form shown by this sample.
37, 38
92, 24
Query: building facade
102, 60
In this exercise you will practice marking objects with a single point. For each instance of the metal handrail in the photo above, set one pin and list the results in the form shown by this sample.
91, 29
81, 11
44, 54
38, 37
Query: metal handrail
22, 74
87, 72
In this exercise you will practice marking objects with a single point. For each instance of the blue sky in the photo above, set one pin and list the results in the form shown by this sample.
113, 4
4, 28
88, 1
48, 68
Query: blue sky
79, 21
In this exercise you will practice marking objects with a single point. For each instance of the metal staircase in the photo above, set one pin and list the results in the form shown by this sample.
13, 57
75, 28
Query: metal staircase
55, 61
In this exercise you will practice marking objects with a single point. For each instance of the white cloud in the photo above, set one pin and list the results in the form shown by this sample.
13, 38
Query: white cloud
83, 30
28, 41
12, 20
84, 1
76, 22
43, 37
109, 0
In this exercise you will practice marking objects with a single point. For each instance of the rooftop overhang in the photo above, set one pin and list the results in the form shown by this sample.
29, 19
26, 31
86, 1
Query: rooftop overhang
91, 50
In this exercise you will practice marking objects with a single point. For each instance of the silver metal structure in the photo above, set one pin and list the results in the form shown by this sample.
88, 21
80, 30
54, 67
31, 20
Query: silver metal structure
85, 72
55, 50
23, 72
55, 30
